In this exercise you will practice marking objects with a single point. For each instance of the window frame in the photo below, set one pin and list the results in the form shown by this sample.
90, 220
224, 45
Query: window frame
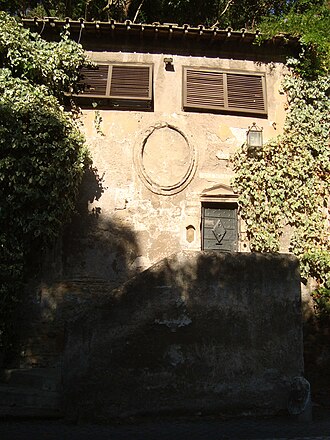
226, 108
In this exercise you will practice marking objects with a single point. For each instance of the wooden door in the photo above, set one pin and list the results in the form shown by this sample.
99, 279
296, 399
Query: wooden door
219, 227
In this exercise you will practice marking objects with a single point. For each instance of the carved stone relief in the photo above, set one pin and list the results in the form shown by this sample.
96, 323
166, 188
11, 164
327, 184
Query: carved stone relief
166, 160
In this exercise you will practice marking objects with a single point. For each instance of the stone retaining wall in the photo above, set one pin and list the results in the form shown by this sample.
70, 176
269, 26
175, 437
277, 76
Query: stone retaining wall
196, 333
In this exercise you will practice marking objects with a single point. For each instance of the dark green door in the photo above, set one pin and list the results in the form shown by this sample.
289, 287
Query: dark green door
219, 227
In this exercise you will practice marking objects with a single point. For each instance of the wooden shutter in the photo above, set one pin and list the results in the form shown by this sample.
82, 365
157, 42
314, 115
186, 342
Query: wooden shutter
246, 93
224, 91
204, 89
95, 81
131, 82
118, 81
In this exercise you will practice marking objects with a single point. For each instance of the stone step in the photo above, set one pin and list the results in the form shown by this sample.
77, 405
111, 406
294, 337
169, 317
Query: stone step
46, 379
28, 402
27, 412
31, 392
94, 285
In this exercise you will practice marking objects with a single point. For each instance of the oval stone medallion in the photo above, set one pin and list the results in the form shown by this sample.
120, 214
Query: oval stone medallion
166, 160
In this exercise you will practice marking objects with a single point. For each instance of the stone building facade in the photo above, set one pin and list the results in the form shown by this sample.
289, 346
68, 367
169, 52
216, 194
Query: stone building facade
162, 116
132, 313
161, 163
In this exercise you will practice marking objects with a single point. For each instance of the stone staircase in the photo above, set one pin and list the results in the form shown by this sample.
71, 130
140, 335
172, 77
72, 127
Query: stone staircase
33, 392
35, 389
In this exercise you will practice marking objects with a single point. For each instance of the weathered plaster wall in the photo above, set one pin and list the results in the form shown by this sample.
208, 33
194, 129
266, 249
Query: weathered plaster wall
186, 151
123, 223
199, 332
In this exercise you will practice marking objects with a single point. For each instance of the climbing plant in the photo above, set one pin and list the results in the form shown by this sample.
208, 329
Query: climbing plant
286, 184
309, 22
42, 152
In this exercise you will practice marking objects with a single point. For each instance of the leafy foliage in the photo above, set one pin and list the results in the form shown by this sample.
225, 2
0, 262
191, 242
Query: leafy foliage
310, 22
87, 9
234, 13
223, 13
42, 153
27, 56
321, 298
287, 183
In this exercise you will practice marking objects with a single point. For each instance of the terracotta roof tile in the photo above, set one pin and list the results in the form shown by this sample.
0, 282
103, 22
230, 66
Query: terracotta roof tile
166, 30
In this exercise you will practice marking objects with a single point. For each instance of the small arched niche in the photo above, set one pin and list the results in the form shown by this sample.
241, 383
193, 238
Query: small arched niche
190, 233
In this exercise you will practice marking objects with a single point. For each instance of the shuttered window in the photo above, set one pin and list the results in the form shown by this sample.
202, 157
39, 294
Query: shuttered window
224, 91
118, 81
95, 81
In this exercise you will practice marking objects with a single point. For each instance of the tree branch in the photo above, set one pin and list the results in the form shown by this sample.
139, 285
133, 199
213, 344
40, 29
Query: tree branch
46, 7
222, 13
137, 11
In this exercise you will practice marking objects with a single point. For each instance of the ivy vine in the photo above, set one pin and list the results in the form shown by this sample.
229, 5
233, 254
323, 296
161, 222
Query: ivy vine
42, 153
286, 184
309, 22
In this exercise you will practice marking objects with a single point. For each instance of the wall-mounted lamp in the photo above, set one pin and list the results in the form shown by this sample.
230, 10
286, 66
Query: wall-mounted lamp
168, 63
254, 136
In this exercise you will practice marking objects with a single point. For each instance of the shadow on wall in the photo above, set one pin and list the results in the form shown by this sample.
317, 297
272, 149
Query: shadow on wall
95, 246
94, 255
198, 332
